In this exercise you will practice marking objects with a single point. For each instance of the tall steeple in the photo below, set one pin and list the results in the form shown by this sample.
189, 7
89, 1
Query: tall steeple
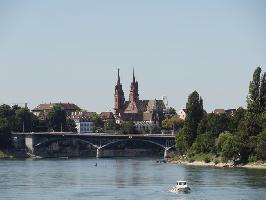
133, 75
118, 77
134, 91
118, 96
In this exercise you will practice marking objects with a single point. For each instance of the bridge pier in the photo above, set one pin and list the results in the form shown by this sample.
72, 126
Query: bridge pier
99, 153
29, 143
165, 155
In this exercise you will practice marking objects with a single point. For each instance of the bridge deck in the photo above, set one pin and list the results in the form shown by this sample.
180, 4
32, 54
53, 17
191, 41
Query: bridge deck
97, 134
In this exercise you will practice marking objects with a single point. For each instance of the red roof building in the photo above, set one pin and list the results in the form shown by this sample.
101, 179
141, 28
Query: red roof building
42, 110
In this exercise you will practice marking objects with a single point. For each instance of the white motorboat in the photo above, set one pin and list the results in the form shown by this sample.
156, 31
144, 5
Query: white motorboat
181, 186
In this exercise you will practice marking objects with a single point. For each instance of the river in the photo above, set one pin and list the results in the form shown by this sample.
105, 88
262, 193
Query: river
138, 178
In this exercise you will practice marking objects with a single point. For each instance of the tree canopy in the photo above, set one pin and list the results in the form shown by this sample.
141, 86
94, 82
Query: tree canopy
56, 118
128, 128
240, 135
194, 108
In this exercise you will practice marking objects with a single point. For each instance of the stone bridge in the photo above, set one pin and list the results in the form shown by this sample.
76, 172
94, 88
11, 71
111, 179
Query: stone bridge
100, 141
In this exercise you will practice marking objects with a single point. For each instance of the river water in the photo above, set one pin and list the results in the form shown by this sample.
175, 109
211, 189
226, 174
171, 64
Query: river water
138, 178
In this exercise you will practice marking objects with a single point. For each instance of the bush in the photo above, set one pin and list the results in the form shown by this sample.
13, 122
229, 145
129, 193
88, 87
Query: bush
128, 128
252, 158
207, 159
191, 160
261, 145
181, 142
216, 161
204, 143
229, 146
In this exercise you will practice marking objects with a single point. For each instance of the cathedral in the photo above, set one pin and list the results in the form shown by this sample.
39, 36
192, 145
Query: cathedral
136, 110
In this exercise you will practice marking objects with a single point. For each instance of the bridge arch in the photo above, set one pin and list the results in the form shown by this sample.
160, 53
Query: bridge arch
131, 140
47, 141
171, 147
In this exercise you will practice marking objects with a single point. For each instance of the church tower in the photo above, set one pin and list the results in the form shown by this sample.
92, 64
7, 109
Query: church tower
134, 90
118, 96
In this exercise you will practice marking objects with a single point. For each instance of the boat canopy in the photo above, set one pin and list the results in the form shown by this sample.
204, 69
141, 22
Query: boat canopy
181, 182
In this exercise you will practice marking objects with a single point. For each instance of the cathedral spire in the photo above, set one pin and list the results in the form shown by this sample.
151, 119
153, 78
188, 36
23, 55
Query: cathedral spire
134, 94
119, 98
118, 76
133, 75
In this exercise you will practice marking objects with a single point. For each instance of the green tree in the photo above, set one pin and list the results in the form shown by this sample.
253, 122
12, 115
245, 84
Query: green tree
5, 133
7, 121
171, 123
70, 126
263, 92
204, 143
214, 123
24, 119
6, 111
255, 102
56, 118
237, 119
228, 146
182, 142
128, 128
155, 129
98, 122
171, 111
261, 145
110, 124
15, 108
253, 99
246, 144
195, 113
253, 124
263, 120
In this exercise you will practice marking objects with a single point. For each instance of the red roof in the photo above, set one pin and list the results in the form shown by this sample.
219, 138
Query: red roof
106, 115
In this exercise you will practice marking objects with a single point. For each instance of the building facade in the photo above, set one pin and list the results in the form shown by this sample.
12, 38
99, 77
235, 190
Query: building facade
83, 122
84, 126
136, 110
42, 110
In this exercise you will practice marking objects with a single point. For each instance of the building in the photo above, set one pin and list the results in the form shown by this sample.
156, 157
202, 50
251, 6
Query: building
136, 110
84, 126
83, 122
182, 114
222, 111
145, 126
230, 111
219, 111
106, 116
42, 110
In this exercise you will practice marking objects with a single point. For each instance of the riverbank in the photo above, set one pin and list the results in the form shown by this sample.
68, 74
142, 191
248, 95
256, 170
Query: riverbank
5, 155
255, 165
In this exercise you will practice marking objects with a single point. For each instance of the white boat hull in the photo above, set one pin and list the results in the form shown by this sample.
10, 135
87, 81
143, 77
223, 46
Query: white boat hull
183, 189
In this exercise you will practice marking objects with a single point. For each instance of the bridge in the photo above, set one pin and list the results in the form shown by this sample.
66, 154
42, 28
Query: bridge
102, 143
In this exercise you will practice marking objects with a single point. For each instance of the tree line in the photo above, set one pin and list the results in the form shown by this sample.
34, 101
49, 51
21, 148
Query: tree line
21, 119
238, 137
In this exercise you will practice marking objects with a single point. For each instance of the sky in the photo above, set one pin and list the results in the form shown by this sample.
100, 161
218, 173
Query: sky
69, 51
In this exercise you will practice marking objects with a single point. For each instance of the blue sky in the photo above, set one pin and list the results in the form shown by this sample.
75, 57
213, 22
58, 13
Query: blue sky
69, 51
